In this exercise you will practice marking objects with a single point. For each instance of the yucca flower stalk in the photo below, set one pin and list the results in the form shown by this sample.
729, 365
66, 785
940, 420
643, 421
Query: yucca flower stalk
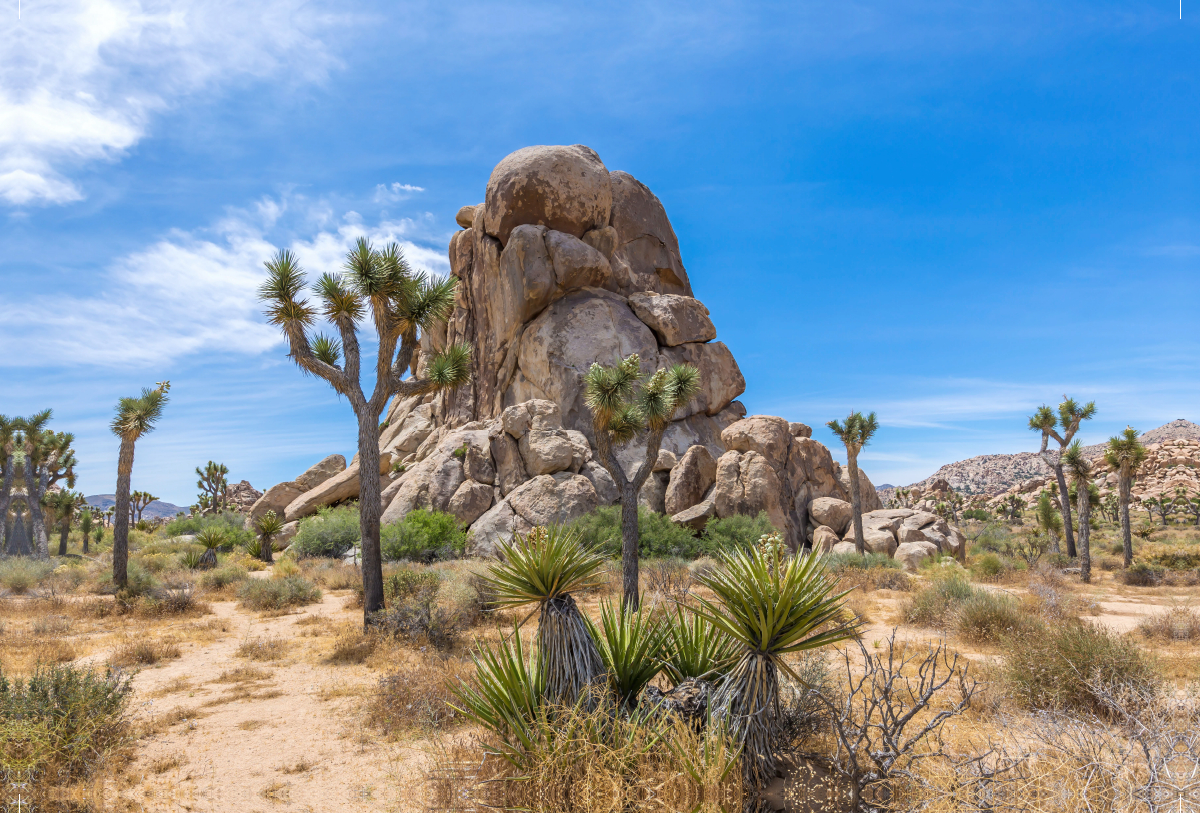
630, 643
376, 284
621, 411
769, 611
543, 568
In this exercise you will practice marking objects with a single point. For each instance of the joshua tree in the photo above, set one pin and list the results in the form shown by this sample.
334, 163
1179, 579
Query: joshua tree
64, 504
138, 501
136, 416
401, 302
1070, 415
1076, 462
1125, 454
98, 534
268, 527
212, 485
1111, 506
855, 434
1048, 519
85, 526
622, 411
1013, 507
47, 460
8, 467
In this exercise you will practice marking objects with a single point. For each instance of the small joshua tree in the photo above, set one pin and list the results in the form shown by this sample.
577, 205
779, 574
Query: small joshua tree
621, 412
212, 485
138, 501
64, 504
85, 526
380, 285
855, 434
1070, 415
1080, 468
1125, 453
268, 526
47, 460
135, 417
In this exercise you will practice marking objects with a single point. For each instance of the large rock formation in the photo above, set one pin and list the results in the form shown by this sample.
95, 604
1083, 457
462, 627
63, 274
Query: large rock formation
563, 265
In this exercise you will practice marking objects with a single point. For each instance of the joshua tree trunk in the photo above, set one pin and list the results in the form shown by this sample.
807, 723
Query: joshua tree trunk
35, 486
370, 499
1085, 520
860, 542
629, 490
121, 516
1064, 498
6, 502
63, 533
1123, 485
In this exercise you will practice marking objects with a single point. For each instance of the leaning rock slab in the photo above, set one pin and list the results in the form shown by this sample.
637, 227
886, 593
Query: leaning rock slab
691, 478
674, 319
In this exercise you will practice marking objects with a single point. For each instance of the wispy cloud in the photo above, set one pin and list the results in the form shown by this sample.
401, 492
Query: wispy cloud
395, 192
196, 292
81, 79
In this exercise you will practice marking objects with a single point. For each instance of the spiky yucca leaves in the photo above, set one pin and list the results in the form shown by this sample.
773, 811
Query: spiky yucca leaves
268, 526
695, 648
769, 611
621, 411
210, 539
630, 643
544, 567
505, 697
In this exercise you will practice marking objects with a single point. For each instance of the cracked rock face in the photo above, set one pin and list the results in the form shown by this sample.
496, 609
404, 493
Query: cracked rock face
563, 265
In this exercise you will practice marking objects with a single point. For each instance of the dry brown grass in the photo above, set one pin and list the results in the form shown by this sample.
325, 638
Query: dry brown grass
143, 651
176, 686
1175, 624
157, 724
243, 674
352, 645
303, 766
416, 699
263, 649
167, 762
252, 725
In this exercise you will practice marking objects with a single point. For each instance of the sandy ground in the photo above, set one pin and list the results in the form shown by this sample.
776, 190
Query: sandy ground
294, 740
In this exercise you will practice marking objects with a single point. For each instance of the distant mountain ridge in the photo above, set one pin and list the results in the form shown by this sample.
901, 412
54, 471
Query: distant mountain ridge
154, 510
994, 474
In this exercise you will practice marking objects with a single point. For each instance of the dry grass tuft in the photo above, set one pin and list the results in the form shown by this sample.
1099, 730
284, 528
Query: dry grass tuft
263, 649
303, 766
352, 645
252, 725
243, 674
168, 763
144, 651
417, 698
1175, 624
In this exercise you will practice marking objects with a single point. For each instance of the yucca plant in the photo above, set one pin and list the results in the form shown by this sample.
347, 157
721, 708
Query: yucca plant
770, 609
544, 567
210, 539
630, 643
695, 648
268, 526
253, 548
505, 698
192, 559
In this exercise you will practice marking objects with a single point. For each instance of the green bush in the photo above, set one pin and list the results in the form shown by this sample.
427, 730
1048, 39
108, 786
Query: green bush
1143, 574
229, 523
21, 573
986, 617
936, 605
423, 536
1050, 668
737, 531
277, 594
63, 721
977, 514
600, 530
406, 583
837, 562
995, 538
988, 566
331, 533
222, 577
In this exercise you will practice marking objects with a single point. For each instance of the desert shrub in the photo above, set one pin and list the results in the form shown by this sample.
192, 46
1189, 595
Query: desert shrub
332, 574
1173, 557
989, 566
994, 537
222, 577
732, 532
1142, 574
1049, 598
21, 573
1052, 667
277, 594
670, 578
600, 530
459, 592
986, 617
414, 613
801, 712
841, 562
936, 604
63, 721
230, 524
977, 514
171, 599
423, 536
417, 698
352, 645
875, 578
144, 651
262, 649
331, 533
407, 582
139, 583
285, 566
1175, 624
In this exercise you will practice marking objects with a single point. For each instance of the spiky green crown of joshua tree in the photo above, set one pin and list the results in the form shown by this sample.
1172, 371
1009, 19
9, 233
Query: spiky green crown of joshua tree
623, 410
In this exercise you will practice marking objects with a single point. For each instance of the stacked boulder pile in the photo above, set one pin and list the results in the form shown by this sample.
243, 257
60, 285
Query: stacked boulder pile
563, 265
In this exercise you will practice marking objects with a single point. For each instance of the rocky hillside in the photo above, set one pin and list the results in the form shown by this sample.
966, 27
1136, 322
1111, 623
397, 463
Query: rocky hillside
154, 510
566, 264
988, 473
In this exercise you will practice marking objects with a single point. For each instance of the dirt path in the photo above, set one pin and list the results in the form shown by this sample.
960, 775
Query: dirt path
283, 733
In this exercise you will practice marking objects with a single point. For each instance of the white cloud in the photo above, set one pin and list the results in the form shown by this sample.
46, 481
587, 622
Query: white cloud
395, 192
196, 292
80, 79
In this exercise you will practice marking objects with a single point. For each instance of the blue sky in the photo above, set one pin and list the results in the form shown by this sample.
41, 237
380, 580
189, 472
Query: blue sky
945, 212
